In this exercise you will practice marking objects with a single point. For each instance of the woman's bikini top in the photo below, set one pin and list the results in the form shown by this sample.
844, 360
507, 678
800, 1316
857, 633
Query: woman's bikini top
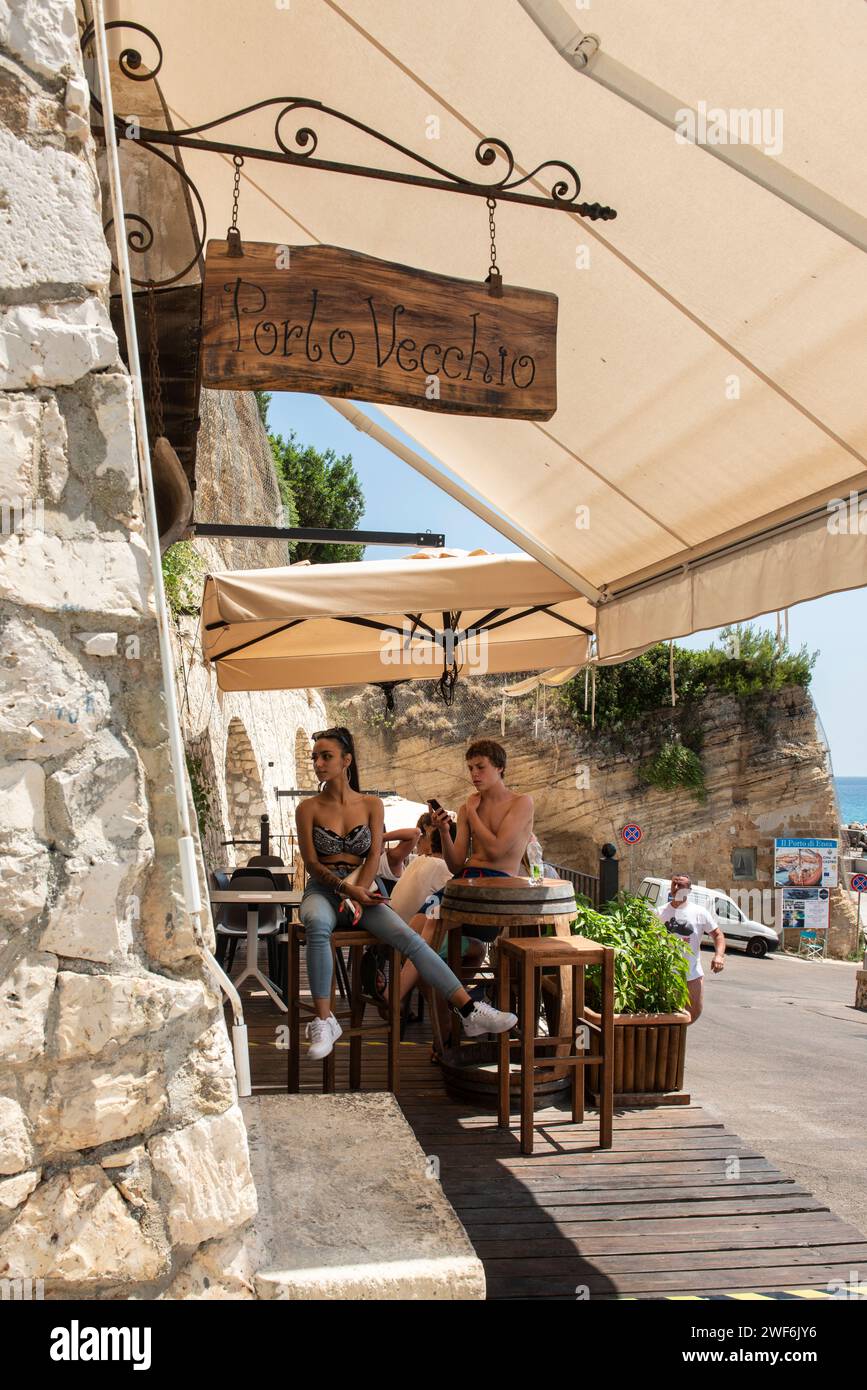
357, 841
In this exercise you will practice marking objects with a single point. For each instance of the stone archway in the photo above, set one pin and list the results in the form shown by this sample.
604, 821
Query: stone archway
202, 769
304, 775
244, 795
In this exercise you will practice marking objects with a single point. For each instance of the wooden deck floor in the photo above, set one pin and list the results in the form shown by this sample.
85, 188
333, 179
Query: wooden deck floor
679, 1206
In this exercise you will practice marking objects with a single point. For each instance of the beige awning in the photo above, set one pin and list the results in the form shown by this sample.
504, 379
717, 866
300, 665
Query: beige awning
712, 343
390, 620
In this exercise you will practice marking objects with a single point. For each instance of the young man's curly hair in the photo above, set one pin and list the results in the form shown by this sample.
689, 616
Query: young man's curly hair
487, 748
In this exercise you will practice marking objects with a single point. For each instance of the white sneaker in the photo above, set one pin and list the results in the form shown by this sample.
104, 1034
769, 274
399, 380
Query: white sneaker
323, 1034
484, 1019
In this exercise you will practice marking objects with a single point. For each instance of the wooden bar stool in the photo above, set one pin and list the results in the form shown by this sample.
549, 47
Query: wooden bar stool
351, 1018
531, 955
513, 907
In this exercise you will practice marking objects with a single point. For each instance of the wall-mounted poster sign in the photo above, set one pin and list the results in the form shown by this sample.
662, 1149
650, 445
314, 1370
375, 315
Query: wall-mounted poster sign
804, 863
805, 910
338, 323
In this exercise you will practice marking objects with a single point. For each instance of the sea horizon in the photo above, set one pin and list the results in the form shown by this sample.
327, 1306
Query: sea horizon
852, 796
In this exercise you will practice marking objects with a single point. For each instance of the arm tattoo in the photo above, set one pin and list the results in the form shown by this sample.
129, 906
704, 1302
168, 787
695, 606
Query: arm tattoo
324, 874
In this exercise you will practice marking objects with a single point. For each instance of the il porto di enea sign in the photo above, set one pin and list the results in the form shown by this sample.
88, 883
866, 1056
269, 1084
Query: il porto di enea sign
338, 323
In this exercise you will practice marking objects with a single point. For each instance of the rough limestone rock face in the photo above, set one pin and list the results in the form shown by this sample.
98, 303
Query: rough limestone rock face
52, 574
206, 1170
100, 794
32, 447
49, 345
14, 1191
50, 703
39, 37
25, 997
206, 1079
76, 1229
16, 1150
91, 1103
112, 1039
99, 1013
766, 778
220, 1270
92, 917
25, 863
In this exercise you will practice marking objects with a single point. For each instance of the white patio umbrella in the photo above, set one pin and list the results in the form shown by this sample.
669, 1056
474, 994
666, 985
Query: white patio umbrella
429, 615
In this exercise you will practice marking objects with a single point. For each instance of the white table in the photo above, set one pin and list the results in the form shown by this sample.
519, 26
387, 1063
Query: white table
253, 898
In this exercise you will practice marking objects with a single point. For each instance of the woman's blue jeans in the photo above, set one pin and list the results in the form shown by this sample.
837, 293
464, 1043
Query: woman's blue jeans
319, 914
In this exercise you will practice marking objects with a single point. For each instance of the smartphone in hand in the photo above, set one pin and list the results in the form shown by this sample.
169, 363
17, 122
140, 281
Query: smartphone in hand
434, 804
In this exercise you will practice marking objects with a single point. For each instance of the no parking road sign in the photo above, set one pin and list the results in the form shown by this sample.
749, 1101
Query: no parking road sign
632, 833
859, 883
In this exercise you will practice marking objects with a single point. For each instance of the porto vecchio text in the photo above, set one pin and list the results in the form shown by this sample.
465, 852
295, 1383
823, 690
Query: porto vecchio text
335, 322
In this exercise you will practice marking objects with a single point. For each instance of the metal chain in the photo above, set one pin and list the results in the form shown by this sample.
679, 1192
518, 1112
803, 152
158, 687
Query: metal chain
238, 161
492, 207
155, 384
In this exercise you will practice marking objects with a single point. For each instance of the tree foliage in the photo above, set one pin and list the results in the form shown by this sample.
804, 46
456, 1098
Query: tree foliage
748, 664
325, 491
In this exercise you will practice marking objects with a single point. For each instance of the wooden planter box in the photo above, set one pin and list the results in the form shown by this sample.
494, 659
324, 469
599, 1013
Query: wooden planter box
649, 1055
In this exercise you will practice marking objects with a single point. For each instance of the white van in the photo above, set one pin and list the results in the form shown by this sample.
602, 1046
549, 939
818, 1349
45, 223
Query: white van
738, 930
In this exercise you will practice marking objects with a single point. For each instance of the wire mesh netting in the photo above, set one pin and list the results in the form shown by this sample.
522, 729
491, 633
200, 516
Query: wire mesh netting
477, 709
239, 485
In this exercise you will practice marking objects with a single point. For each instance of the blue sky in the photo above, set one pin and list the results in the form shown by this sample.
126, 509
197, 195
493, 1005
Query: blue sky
399, 499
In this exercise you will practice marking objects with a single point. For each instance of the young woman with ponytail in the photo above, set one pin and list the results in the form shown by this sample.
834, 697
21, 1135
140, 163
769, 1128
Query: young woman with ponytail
340, 830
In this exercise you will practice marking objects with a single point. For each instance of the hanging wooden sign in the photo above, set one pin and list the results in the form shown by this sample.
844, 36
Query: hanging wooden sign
338, 323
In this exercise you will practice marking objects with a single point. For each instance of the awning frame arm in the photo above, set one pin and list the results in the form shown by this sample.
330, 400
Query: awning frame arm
584, 52
564, 178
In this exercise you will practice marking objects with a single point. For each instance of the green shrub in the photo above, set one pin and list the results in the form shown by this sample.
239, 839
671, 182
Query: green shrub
650, 967
748, 665
183, 575
201, 794
675, 766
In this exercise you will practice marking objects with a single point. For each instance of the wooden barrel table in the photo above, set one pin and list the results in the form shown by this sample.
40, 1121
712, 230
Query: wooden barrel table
518, 907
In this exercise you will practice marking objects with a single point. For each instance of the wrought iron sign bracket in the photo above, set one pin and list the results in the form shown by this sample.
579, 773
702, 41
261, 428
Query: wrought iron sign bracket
298, 148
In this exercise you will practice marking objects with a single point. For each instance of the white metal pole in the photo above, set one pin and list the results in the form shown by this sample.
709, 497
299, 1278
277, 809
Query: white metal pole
186, 843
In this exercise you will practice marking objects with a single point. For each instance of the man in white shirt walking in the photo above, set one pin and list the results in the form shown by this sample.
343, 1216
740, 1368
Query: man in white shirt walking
689, 921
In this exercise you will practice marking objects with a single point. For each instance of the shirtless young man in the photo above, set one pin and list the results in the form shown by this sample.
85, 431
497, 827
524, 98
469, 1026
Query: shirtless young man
494, 824
493, 831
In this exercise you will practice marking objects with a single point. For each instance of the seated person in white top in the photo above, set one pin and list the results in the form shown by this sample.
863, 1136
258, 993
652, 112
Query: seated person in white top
689, 921
397, 846
426, 874
418, 897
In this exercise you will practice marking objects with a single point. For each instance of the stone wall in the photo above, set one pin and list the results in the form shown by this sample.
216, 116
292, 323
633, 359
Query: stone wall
247, 744
765, 778
123, 1159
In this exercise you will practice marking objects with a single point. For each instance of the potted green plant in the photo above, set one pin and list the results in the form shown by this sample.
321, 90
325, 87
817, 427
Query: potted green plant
650, 1000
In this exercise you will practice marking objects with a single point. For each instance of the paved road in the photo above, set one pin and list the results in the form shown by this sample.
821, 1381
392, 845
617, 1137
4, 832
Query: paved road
780, 1055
